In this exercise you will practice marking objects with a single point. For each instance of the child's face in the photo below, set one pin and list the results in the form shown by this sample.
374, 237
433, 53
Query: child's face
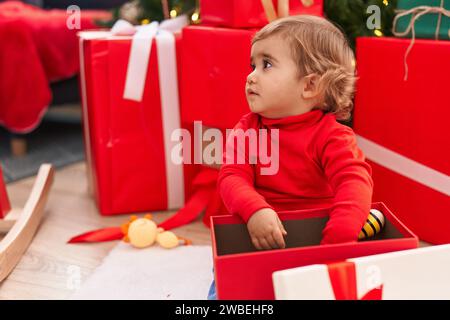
274, 87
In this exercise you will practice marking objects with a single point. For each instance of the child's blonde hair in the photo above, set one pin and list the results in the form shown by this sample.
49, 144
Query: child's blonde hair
319, 47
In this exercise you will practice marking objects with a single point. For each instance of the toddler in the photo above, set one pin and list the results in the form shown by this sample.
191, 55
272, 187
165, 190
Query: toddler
302, 81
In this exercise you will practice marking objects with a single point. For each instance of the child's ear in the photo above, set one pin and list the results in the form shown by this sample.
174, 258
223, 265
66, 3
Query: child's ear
311, 88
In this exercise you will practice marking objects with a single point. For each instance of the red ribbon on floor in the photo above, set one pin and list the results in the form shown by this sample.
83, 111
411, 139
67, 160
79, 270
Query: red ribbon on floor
343, 280
204, 185
100, 235
204, 188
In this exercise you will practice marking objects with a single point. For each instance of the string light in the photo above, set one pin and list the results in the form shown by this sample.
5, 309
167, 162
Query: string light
385, 2
378, 32
173, 13
145, 21
195, 17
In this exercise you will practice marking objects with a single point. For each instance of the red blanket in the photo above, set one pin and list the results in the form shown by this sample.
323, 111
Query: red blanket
36, 48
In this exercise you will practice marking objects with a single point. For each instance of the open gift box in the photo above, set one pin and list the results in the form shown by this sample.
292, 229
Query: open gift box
242, 272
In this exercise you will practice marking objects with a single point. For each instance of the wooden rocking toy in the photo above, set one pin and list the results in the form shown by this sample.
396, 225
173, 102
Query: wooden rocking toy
19, 225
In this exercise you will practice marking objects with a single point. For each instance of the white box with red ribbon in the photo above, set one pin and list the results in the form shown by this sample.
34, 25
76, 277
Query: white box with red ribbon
410, 274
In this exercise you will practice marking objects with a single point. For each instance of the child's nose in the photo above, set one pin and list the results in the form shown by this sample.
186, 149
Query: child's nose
251, 77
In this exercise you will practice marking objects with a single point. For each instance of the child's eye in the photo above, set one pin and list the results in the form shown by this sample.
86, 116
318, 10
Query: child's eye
252, 66
267, 64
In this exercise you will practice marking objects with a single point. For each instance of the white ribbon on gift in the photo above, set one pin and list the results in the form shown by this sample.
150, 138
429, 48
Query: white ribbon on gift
141, 46
404, 166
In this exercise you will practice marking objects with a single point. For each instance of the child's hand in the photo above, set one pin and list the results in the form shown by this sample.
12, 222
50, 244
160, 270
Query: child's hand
266, 230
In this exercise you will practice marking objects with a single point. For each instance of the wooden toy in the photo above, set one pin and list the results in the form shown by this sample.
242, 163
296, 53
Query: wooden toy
20, 225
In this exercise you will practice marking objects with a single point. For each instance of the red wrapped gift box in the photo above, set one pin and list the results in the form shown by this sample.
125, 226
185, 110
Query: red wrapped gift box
128, 144
242, 272
216, 62
402, 127
250, 13
5, 206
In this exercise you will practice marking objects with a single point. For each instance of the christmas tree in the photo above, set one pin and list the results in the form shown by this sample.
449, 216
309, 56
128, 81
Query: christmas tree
145, 11
352, 16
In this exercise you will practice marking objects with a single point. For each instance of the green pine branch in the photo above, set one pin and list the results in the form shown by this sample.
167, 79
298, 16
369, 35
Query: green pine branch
351, 16
152, 9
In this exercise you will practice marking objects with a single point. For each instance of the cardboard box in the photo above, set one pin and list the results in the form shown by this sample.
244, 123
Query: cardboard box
410, 274
242, 272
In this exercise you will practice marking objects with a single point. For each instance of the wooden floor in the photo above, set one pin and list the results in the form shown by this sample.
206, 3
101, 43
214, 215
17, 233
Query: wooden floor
51, 268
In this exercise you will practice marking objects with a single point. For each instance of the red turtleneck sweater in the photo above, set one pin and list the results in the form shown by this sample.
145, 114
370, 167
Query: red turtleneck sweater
320, 166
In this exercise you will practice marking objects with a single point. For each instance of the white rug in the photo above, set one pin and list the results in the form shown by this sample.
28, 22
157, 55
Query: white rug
154, 273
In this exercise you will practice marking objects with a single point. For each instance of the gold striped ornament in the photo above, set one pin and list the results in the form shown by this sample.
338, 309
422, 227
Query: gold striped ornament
374, 223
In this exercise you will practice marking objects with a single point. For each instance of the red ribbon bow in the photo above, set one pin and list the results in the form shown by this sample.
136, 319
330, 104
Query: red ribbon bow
343, 280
